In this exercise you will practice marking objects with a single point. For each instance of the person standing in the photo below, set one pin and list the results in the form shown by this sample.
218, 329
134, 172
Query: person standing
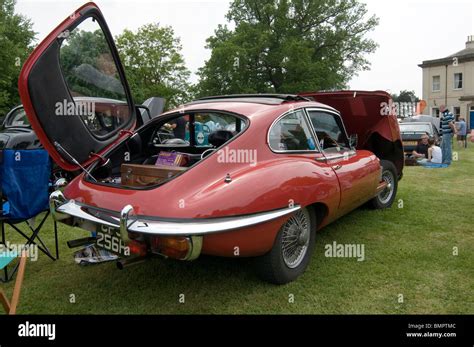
462, 132
178, 125
448, 129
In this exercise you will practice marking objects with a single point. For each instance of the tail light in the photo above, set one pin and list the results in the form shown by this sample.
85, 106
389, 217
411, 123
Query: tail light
137, 248
173, 247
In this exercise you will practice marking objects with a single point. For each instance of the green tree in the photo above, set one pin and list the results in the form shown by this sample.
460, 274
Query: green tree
405, 96
288, 46
154, 64
16, 38
88, 65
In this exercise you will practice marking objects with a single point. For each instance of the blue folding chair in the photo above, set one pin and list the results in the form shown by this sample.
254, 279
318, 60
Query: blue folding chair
25, 187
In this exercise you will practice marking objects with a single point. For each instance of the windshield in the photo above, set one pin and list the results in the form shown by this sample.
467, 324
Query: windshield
17, 118
415, 128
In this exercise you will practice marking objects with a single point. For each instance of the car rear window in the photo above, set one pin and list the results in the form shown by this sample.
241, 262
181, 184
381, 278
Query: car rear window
418, 128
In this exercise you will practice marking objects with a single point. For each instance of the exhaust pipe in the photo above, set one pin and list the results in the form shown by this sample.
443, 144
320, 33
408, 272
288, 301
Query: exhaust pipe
81, 242
123, 263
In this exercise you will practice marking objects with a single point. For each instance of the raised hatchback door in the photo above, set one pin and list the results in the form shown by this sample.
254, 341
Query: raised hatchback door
74, 90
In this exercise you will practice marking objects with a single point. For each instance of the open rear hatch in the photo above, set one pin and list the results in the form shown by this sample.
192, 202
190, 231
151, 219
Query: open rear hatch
74, 90
371, 115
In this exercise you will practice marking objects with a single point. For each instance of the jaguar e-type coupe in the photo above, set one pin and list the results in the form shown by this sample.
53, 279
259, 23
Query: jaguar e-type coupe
272, 171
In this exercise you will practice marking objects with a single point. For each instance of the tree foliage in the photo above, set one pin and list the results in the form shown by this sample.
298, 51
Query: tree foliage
153, 63
88, 66
405, 96
16, 38
288, 46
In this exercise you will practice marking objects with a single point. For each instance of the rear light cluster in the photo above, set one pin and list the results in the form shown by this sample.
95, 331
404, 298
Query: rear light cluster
173, 247
137, 248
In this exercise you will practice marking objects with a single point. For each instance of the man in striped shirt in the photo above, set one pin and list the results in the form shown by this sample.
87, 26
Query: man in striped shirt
448, 129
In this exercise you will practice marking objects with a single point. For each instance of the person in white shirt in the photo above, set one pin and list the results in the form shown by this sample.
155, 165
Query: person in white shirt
435, 155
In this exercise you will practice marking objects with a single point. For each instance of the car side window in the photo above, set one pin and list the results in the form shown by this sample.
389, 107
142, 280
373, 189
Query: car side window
291, 133
329, 131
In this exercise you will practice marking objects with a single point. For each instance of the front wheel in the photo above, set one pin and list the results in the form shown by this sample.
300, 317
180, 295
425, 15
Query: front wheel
385, 198
292, 250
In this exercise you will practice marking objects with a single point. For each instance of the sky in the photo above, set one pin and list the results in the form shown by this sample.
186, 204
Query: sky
410, 31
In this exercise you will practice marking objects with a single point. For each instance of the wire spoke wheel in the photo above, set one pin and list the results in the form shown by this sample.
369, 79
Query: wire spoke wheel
386, 194
295, 238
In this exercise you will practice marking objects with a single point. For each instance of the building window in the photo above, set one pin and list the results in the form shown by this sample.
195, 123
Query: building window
457, 112
458, 81
435, 112
436, 84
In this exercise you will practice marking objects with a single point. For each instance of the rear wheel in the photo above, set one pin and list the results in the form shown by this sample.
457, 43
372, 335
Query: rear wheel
292, 250
386, 197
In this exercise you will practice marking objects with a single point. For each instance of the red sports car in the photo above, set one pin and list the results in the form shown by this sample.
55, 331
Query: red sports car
231, 176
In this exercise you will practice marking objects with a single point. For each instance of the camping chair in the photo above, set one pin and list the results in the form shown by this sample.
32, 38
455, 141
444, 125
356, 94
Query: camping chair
5, 258
24, 190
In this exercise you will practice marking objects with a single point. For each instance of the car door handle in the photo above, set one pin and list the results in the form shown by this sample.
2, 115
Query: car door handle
337, 167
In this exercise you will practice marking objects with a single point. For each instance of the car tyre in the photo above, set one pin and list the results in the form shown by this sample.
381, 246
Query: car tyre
386, 197
284, 263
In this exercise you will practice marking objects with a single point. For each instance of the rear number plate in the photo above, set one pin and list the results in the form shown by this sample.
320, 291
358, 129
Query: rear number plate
109, 238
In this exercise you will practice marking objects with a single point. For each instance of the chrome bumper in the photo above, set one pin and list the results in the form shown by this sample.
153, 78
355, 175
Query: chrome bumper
126, 221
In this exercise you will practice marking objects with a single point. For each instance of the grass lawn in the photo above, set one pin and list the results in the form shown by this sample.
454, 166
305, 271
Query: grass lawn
408, 251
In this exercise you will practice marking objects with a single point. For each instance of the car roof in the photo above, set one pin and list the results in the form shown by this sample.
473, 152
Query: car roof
415, 123
250, 105
267, 99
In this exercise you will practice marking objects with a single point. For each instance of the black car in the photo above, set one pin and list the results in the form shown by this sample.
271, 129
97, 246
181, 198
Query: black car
16, 131
412, 132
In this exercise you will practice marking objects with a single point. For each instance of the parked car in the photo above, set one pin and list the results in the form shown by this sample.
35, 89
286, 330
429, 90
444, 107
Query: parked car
16, 132
412, 132
283, 168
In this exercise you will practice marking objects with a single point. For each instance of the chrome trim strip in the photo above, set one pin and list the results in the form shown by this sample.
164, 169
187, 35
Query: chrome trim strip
56, 199
346, 154
195, 227
337, 114
71, 209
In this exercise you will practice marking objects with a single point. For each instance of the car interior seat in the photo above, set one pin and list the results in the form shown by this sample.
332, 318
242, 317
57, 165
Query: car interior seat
219, 137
